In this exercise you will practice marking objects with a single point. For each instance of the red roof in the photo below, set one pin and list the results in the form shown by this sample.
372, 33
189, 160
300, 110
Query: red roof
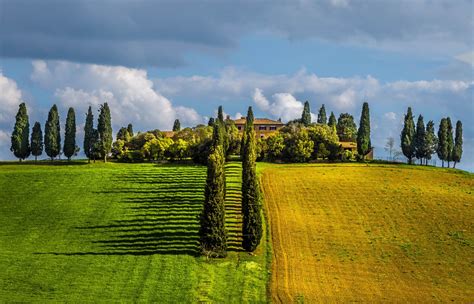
258, 121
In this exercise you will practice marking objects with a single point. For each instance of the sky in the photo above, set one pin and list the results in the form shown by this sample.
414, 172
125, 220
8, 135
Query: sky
155, 61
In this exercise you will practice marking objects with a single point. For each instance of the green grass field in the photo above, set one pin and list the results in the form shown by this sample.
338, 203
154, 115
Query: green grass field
118, 233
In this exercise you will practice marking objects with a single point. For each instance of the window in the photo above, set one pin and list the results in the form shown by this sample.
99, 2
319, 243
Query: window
262, 128
273, 128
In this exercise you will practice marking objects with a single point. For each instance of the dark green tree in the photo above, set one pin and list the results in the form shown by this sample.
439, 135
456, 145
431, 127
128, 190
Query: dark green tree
21, 134
306, 115
332, 120
52, 134
89, 134
322, 119
346, 127
419, 141
176, 125
407, 137
223, 130
123, 134
442, 150
430, 142
363, 135
450, 141
104, 127
251, 198
70, 147
130, 130
210, 123
457, 151
36, 141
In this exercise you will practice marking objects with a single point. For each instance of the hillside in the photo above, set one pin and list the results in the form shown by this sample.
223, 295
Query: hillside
374, 233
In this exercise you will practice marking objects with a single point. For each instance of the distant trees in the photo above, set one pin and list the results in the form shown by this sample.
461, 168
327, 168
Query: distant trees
430, 142
90, 136
443, 151
210, 123
36, 141
322, 115
346, 127
251, 199
306, 115
332, 120
70, 147
407, 136
104, 128
21, 133
419, 140
130, 130
363, 134
457, 151
52, 134
176, 125
450, 141
389, 146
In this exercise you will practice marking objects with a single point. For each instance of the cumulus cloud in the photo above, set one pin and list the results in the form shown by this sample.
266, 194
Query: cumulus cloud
284, 106
10, 98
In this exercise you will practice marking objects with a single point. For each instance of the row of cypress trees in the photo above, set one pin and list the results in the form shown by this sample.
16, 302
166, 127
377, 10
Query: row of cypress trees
96, 142
421, 142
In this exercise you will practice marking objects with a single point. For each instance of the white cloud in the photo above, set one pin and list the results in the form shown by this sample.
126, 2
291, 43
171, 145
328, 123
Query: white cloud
10, 98
285, 105
390, 116
466, 57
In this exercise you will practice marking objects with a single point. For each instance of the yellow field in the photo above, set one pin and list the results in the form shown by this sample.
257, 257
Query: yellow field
370, 233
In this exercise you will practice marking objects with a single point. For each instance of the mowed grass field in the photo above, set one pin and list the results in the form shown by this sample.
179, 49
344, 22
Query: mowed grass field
345, 233
113, 232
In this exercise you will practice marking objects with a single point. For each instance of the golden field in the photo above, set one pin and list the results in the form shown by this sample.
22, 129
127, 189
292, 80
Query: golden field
369, 233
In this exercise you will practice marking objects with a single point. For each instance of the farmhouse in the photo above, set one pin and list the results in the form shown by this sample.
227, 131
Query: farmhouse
264, 127
352, 146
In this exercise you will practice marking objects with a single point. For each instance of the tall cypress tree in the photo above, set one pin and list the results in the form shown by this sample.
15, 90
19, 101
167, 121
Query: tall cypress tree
69, 148
332, 120
419, 141
104, 127
52, 134
21, 133
407, 137
89, 134
442, 149
322, 119
306, 115
251, 198
430, 142
130, 130
363, 134
36, 141
223, 135
176, 125
457, 151
450, 141
212, 233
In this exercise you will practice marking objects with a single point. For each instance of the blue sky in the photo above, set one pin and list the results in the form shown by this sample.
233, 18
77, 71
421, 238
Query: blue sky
156, 61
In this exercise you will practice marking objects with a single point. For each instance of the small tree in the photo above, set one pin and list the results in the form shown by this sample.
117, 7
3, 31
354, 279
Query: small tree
70, 147
442, 150
306, 115
389, 146
52, 134
407, 137
419, 141
210, 123
104, 127
89, 134
457, 151
346, 128
450, 141
123, 134
430, 142
176, 125
130, 130
322, 115
332, 120
21, 133
37, 141
363, 135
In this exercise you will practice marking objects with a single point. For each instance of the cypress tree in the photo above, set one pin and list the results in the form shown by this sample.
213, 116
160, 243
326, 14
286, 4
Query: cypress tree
251, 198
130, 129
176, 125
104, 127
442, 149
363, 134
306, 115
322, 119
430, 142
223, 136
212, 233
457, 151
419, 140
210, 123
36, 141
69, 148
332, 120
52, 134
89, 134
450, 141
21, 133
407, 137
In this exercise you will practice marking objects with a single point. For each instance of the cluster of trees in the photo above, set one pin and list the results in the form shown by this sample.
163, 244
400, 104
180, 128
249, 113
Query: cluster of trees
421, 142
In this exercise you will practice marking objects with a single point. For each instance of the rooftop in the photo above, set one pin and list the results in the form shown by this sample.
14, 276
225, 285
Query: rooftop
258, 121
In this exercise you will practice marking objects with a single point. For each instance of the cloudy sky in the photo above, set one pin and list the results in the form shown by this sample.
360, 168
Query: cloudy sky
154, 61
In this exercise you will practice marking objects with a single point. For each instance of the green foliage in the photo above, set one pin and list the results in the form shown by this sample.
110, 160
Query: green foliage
123, 134
325, 141
419, 140
442, 150
176, 125
89, 134
233, 138
346, 127
130, 130
178, 150
52, 135
430, 142
251, 198
306, 115
104, 127
211, 121
275, 146
36, 141
70, 147
21, 133
363, 134
322, 119
457, 151
155, 149
298, 146
332, 120
407, 136
450, 140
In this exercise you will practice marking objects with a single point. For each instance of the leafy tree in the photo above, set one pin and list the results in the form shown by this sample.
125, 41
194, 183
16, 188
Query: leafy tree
123, 134
156, 148
36, 141
233, 137
298, 146
450, 141
363, 134
407, 136
70, 147
89, 134
52, 135
178, 150
324, 140
419, 140
457, 151
210, 123
275, 146
251, 197
389, 146
130, 130
21, 133
306, 115
322, 119
176, 125
104, 127
442, 150
346, 127
430, 142
332, 120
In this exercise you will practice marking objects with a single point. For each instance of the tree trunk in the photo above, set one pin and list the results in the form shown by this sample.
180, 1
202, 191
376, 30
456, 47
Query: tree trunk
19, 160
454, 165
448, 163
442, 163
36, 158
